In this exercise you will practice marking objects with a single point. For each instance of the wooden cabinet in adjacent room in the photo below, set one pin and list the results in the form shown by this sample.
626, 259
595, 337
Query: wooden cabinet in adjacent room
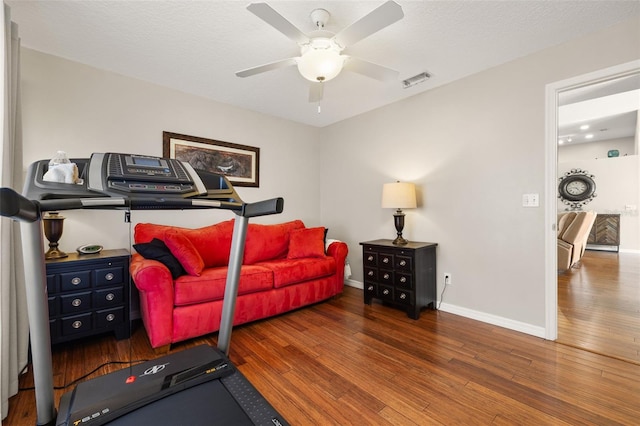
605, 233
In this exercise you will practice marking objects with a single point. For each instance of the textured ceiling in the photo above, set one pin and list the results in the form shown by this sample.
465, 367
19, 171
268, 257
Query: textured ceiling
197, 46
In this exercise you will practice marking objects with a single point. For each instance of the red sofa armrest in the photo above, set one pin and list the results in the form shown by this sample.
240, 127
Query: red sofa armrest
339, 251
155, 285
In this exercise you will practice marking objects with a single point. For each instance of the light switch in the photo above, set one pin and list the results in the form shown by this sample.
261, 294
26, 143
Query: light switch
530, 200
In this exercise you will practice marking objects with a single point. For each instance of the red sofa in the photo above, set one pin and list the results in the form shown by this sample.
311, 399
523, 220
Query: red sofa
285, 266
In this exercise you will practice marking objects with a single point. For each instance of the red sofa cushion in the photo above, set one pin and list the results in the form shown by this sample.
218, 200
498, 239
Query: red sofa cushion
184, 250
267, 242
211, 283
307, 242
293, 271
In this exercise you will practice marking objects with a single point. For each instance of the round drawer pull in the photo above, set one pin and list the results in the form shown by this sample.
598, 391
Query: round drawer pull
403, 279
403, 296
76, 324
385, 292
76, 302
109, 276
370, 288
370, 258
403, 263
110, 297
385, 260
76, 280
386, 276
370, 273
111, 317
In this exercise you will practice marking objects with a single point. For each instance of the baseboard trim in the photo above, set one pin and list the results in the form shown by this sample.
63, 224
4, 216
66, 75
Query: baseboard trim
478, 316
632, 251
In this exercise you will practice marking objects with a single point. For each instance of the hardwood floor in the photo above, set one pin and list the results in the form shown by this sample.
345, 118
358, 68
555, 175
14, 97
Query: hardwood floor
599, 305
342, 362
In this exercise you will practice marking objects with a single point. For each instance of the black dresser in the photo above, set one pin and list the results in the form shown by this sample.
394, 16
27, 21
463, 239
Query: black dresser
404, 276
89, 294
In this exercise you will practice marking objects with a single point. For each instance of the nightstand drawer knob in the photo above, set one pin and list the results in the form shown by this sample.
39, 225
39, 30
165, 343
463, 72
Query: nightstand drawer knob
76, 302
403, 279
76, 280
385, 292
386, 276
111, 317
110, 297
403, 296
370, 273
370, 258
76, 324
370, 288
385, 260
403, 263
109, 276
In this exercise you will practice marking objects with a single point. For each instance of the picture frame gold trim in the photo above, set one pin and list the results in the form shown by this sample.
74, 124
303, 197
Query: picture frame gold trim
240, 164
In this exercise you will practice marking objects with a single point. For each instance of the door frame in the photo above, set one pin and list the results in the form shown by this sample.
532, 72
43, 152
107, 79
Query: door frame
553, 91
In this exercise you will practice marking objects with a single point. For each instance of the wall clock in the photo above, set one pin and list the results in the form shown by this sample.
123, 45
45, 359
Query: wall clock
576, 188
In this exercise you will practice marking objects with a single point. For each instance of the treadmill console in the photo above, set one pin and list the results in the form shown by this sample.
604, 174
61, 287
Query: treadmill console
143, 174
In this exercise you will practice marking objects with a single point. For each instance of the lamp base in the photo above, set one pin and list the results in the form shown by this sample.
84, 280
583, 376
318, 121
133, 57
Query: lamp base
54, 253
399, 241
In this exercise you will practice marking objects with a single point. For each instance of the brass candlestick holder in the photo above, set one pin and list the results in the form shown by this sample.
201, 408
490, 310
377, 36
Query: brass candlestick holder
52, 223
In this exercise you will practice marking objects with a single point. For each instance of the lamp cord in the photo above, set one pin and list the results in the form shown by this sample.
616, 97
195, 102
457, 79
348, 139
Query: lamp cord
442, 295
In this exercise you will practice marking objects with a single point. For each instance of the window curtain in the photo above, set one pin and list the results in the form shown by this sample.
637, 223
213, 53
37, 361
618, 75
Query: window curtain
14, 326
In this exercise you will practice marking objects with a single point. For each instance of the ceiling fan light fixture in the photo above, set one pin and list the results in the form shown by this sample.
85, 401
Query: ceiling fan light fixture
320, 64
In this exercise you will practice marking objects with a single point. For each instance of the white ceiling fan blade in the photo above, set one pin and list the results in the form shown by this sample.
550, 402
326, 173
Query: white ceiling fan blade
379, 18
316, 90
266, 67
370, 69
277, 21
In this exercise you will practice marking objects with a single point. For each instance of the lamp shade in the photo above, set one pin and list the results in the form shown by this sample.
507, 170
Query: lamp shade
399, 195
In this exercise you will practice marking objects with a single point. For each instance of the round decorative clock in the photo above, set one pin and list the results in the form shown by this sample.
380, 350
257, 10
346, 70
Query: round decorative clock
576, 188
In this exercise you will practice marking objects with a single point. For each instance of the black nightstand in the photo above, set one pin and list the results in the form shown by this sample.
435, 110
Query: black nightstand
89, 294
404, 276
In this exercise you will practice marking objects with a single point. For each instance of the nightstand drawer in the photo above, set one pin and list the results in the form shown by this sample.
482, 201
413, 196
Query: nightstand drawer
404, 263
403, 280
370, 289
404, 297
370, 259
109, 317
76, 302
77, 280
109, 276
371, 274
385, 277
385, 260
386, 293
108, 297
76, 324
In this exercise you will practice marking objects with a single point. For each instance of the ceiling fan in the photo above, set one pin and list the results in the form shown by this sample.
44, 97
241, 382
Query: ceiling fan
321, 57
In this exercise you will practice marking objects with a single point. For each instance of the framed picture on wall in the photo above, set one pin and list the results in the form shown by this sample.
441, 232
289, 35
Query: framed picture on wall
238, 163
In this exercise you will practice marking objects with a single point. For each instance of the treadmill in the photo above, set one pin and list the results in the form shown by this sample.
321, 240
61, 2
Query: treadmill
197, 386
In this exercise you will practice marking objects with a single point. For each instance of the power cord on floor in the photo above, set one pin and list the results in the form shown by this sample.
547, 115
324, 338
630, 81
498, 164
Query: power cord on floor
442, 295
79, 379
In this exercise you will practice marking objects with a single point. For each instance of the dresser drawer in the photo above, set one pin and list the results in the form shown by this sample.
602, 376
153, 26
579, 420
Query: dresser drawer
76, 280
109, 297
371, 289
385, 277
403, 280
370, 258
109, 317
76, 324
109, 276
385, 260
403, 263
371, 274
76, 302
386, 293
52, 284
404, 297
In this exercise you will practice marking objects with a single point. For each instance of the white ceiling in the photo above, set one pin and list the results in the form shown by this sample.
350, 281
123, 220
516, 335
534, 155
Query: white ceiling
197, 46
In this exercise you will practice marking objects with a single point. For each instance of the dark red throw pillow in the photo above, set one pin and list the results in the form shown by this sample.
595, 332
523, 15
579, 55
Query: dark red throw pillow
184, 250
306, 242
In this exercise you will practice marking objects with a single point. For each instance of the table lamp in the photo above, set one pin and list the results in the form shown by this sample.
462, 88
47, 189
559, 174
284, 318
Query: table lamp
399, 195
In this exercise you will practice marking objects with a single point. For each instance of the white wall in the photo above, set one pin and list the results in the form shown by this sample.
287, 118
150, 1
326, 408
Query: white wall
474, 147
593, 150
78, 109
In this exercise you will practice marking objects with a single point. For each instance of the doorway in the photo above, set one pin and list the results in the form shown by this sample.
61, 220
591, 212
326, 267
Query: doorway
582, 86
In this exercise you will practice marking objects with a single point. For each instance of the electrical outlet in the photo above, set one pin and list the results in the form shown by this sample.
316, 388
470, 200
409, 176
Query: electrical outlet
447, 278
